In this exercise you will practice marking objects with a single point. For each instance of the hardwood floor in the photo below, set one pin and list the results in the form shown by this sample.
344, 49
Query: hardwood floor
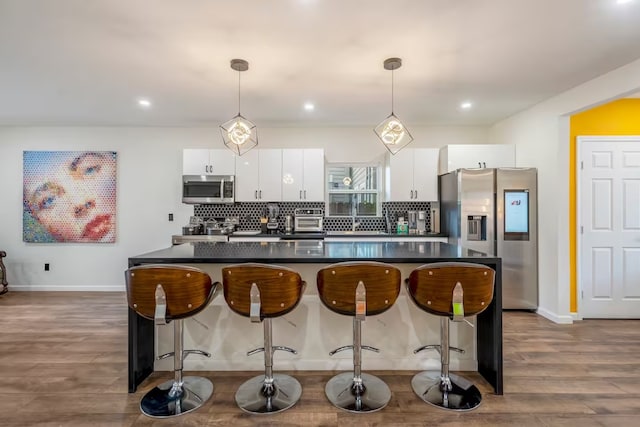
63, 362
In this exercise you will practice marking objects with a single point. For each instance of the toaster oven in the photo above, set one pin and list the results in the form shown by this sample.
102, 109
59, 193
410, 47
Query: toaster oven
308, 220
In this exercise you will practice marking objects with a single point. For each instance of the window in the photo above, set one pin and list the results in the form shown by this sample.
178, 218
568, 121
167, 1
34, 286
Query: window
353, 189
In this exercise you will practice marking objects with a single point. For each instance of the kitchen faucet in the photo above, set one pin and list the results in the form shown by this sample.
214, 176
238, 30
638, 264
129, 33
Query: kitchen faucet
354, 224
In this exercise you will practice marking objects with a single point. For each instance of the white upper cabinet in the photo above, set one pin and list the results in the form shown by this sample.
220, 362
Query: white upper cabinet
202, 161
458, 156
303, 175
413, 175
259, 175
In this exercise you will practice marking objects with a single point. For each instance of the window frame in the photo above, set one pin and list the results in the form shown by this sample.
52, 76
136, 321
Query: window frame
379, 191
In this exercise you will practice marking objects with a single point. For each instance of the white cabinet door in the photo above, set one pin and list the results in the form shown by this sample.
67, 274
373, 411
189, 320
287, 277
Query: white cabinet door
401, 176
222, 162
425, 174
469, 156
202, 161
247, 176
195, 161
413, 175
303, 175
499, 156
313, 175
292, 175
270, 172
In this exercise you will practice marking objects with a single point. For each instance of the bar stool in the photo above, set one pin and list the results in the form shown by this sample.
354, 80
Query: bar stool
262, 292
4, 286
172, 293
451, 290
358, 289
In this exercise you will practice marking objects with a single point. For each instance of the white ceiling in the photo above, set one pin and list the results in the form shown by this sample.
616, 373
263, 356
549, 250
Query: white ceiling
79, 62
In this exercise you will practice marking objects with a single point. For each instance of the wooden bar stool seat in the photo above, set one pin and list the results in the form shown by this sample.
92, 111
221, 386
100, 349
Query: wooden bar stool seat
172, 293
358, 289
451, 290
263, 292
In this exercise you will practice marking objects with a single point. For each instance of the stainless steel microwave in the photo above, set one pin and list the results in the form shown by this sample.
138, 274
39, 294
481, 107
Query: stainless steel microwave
201, 189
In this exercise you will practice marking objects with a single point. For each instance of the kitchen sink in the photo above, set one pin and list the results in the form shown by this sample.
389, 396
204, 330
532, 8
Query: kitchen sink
355, 233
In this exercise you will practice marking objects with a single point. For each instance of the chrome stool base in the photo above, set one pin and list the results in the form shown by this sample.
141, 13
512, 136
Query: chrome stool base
374, 395
464, 395
252, 397
158, 403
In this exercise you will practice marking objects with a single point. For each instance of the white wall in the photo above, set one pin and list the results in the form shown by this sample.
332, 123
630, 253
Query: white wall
541, 136
149, 168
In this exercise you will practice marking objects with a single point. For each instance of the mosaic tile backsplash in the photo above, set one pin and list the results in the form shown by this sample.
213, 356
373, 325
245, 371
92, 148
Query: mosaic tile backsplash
249, 214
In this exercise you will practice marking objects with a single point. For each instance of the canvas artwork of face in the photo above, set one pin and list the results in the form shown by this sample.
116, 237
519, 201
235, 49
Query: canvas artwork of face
69, 196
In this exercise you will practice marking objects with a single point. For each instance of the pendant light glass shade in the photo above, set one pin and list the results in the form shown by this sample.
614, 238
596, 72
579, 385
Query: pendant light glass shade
393, 134
239, 134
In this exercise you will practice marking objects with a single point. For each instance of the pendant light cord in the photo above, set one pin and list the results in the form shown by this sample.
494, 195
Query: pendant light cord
239, 73
392, 90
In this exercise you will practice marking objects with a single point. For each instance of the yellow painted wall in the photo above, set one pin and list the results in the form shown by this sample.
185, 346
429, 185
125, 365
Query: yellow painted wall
621, 117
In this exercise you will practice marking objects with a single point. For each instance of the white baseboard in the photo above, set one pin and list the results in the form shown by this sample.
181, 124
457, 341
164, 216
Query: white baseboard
55, 288
556, 318
576, 316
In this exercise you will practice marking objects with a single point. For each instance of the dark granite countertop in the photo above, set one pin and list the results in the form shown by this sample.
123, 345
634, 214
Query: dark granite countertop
310, 251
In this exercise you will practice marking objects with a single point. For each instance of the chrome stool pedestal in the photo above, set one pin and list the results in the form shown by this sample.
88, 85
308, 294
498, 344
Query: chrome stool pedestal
357, 391
442, 388
268, 393
182, 394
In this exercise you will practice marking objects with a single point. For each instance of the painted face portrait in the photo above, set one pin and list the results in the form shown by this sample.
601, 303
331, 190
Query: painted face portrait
69, 196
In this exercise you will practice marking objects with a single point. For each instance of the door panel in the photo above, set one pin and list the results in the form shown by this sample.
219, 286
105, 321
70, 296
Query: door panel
609, 227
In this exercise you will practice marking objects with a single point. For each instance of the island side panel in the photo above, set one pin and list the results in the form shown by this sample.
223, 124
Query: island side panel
489, 336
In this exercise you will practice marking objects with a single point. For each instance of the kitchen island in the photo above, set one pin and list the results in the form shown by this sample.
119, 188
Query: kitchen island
307, 257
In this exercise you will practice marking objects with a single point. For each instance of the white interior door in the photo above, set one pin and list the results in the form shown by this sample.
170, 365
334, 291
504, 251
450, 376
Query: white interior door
609, 227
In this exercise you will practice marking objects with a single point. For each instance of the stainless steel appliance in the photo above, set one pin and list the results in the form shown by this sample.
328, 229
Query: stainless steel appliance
435, 217
495, 211
422, 222
178, 240
288, 224
201, 189
412, 221
273, 212
308, 220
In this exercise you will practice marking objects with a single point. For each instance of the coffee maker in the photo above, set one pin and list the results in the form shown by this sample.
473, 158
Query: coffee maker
273, 212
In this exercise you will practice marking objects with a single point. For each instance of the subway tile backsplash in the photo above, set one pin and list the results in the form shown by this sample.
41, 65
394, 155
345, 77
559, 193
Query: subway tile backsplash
249, 214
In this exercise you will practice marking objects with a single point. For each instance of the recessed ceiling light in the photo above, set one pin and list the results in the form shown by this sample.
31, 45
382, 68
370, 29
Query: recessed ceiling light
308, 106
144, 103
466, 105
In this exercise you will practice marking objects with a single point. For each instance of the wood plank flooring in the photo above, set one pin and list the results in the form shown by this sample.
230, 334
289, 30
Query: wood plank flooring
63, 362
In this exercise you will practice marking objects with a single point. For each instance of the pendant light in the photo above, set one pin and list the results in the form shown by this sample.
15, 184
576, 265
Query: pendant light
239, 134
393, 134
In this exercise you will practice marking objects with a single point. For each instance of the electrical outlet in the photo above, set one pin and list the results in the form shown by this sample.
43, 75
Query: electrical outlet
170, 217
46, 266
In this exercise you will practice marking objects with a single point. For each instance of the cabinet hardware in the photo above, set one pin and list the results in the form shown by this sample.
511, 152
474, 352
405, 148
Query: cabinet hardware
416, 194
260, 192
411, 196
300, 194
479, 164
305, 194
256, 195
484, 164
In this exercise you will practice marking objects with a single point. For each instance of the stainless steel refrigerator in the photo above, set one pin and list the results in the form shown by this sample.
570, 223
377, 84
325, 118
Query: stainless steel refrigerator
495, 211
